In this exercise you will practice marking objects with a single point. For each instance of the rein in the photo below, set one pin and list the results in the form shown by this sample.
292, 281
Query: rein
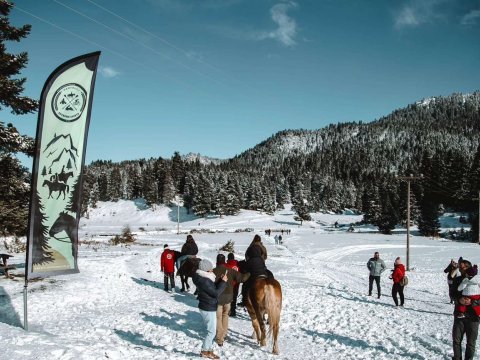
62, 239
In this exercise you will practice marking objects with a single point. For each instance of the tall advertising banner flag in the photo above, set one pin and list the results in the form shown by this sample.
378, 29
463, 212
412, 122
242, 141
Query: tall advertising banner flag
57, 175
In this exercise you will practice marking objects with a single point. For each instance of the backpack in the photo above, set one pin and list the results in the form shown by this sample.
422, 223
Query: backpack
404, 281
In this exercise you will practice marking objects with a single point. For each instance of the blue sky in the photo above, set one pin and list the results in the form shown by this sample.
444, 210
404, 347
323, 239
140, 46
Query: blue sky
219, 76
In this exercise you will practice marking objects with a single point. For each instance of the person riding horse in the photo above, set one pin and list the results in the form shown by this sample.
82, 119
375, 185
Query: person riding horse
255, 265
257, 242
189, 249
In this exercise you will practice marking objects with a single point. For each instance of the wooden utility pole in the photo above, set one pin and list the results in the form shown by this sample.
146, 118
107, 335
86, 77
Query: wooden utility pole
178, 213
408, 179
478, 199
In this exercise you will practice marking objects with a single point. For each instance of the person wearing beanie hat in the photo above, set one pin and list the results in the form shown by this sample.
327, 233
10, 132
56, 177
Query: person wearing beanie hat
167, 266
397, 276
205, 265
226, 298
208, 293
470, 288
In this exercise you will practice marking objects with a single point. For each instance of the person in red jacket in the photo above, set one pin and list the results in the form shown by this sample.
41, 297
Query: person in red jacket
167, 265
397, 275
233, 264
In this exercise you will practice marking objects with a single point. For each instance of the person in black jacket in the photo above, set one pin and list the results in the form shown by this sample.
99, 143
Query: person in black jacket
255, 265
467, 324
189, 249
208, 292
452, 272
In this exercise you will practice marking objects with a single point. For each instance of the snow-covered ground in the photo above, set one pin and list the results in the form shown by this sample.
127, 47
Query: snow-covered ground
115, 308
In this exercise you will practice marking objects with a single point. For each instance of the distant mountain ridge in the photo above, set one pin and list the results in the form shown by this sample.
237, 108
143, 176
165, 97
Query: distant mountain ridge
445, 119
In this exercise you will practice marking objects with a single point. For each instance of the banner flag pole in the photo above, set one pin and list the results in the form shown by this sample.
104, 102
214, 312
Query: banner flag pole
57, 173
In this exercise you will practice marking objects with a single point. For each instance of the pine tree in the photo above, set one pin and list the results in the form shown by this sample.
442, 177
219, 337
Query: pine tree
428, 223
72, 204
300, 205
115, 185
14, 193
41, 252
11, 65
202, 201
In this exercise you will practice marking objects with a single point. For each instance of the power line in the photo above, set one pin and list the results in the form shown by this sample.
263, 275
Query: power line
136, 41
102, 46
186, 53
183, 51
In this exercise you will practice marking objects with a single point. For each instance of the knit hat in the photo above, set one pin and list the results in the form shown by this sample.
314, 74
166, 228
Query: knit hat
220, 259
472, 271
398, 261
205, 265
165, 246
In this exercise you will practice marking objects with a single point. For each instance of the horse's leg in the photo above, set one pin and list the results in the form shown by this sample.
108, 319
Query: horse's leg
275, 329
255, 323
263, 332
182, 279
59, 193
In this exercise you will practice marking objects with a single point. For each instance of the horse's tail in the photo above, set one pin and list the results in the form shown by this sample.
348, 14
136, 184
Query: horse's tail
273, 305
68, 188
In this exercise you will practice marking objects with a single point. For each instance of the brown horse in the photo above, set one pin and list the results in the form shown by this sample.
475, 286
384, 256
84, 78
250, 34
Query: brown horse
265, 297
187, 269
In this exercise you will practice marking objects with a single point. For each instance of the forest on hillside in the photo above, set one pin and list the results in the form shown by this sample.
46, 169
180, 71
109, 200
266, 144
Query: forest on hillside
360, 166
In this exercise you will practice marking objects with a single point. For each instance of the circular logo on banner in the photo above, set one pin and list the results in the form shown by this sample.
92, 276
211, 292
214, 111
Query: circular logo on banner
69, 102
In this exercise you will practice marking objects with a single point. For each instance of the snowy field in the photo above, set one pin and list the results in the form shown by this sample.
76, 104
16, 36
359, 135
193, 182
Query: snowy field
115, 308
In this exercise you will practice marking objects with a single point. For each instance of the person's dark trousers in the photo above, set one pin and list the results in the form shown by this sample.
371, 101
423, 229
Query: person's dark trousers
451, 293
470, 329
233, 305
397, 289
165, 280
370, 284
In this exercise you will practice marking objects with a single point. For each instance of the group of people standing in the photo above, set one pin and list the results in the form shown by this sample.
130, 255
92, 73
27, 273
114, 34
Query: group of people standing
464, 292
377, 267
218, 287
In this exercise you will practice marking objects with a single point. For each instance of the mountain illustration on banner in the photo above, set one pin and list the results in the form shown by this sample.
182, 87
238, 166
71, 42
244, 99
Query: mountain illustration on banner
60, 151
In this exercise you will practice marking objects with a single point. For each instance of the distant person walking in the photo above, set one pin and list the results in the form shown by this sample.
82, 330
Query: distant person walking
465, 324
167, 266
452, 272
397, 276
376, 267
208, 293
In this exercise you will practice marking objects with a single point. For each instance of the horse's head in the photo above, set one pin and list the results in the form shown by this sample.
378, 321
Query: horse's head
64, 222
45, 182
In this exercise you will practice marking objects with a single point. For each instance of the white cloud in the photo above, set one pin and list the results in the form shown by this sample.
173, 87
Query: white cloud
418, 12
407, 18
471, 18
108, 72
287, 26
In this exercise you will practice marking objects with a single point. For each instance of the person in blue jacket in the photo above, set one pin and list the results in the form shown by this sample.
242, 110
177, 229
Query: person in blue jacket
208, 292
